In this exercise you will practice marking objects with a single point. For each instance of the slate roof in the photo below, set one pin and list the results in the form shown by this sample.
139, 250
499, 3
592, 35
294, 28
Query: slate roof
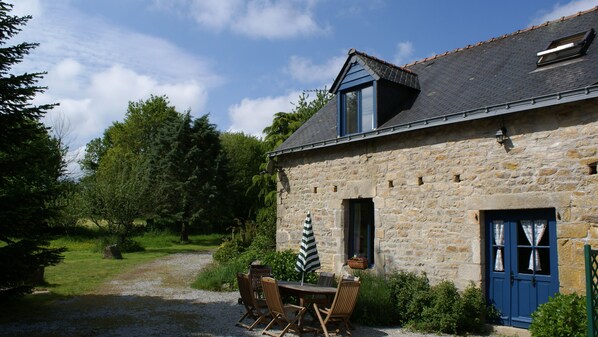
493, 77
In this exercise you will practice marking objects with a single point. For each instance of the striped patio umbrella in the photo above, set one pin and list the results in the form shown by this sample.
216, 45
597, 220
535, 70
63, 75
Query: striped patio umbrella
308, 259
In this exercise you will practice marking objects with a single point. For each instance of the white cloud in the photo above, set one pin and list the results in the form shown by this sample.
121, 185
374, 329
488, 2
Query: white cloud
72, 159
215, 14
91, 104
119, 84
275, 20
65, 77
185, 95
95, 68
304, 70
251, 116
66, 33
26, 7
270, 19
566, 9
404, 53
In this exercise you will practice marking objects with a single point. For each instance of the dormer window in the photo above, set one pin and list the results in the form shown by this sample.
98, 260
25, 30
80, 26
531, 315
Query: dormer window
566, 48
370, 92
358, 110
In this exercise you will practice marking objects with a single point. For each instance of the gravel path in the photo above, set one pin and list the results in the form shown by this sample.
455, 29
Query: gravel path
153, 300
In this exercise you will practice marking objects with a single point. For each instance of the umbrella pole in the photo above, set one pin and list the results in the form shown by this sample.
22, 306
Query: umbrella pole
302, 275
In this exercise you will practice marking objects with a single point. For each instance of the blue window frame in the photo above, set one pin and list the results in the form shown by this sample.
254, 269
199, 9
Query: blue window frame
357, 110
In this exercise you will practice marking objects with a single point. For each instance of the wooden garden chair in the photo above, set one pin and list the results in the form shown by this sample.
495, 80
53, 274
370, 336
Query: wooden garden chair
287, 316
350, 278
256, 308
324, 280
256, 272
341, 309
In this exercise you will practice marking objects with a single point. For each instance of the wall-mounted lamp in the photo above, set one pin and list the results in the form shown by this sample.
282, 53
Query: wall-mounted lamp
501, 135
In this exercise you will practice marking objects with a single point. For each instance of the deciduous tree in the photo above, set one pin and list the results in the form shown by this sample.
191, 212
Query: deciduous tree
118, 187
245, 154
283, 126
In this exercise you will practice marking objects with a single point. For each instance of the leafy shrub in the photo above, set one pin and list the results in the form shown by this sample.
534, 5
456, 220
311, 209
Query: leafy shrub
256, 238
245, 232
263, 243
220, 277
562, 315
130, 246
228, 250
448, 311
375, 303
406, 298
283, 266
443, 311
493, 315
265, 239
474, 310
125, 245
240, 239
410, 294
251, 241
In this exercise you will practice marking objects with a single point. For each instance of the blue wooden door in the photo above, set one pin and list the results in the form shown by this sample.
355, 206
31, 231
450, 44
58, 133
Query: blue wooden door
522, 269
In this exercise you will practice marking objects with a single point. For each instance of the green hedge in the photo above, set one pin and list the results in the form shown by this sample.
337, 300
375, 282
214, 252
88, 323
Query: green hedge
376, 304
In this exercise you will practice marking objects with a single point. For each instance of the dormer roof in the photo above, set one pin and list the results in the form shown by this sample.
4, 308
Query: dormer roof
378, 69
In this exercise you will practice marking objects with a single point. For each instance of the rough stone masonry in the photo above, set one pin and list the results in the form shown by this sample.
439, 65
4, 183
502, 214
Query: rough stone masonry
431, 187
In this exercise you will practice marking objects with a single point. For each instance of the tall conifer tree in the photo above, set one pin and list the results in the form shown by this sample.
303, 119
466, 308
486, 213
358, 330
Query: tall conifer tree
30, 167
191, 175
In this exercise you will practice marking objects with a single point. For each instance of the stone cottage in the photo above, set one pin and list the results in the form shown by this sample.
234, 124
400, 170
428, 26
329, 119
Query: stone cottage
476, 165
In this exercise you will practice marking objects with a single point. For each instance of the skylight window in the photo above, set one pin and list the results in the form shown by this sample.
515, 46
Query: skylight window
566, 48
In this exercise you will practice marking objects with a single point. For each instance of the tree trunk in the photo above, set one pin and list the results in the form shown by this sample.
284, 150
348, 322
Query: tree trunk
151, 224
184, 232
112, 252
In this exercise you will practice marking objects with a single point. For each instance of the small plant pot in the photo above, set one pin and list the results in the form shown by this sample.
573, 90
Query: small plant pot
358, 263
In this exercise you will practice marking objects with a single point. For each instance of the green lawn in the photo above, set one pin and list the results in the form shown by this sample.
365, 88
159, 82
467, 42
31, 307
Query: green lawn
84, 267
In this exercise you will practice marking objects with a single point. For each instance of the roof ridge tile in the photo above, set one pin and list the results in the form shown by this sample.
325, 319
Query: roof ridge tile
360, 53
504, 36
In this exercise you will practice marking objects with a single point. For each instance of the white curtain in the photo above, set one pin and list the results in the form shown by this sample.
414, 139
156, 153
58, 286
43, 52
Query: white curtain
534, 232
499, 241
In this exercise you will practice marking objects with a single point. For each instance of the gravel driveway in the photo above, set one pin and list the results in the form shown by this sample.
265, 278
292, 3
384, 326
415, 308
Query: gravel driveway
153, 300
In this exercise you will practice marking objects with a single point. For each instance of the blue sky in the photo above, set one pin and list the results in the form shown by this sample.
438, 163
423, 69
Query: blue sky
238, 61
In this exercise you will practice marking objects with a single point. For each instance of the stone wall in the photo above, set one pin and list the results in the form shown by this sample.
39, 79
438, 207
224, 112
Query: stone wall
430, 189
